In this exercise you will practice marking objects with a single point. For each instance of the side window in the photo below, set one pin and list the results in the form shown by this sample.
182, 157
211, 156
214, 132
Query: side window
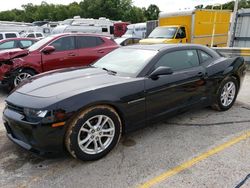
89, 42
128, 42
10, 35
25, 43
99, 41
7, 45
64, 44
31, 35
112, 30
181, 33
104, 29
179, 60
205, 56
1, 36
39, 35
136, 41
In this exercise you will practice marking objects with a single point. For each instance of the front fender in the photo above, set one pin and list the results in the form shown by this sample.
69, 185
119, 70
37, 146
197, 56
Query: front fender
21, 63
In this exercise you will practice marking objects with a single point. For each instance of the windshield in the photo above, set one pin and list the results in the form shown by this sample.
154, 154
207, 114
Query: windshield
129, 32
163, 32
126, 61
120, 40
40, 43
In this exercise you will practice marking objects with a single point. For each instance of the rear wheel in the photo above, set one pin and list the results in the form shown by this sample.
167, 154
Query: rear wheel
226, 94
21, 76
93, 133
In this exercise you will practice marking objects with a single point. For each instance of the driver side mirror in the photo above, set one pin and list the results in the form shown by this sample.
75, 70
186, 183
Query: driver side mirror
48, 49
160, 71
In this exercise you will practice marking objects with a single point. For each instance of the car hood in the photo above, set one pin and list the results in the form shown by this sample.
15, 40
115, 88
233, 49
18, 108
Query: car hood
6, 55
156, 41
65, 81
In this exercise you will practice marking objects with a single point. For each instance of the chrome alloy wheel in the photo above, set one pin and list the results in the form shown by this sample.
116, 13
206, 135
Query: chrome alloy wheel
228, 94
96, 134
21, 77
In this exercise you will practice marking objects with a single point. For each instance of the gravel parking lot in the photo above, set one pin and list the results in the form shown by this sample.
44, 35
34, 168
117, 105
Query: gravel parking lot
213, 148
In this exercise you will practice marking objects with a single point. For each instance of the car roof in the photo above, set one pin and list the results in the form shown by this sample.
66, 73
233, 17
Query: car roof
34, 32
80, 34
18, 38
163, 47
128, 38
9, 32
169, 26
160, 47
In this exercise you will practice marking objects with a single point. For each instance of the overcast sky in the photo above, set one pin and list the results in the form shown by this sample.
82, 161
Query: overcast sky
164, 5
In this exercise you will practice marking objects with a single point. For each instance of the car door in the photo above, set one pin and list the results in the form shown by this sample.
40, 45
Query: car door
65, 54
90, 49
185, 86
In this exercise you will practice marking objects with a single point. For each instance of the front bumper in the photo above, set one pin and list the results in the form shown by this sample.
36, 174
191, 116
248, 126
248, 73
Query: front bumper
5, 73
35, 137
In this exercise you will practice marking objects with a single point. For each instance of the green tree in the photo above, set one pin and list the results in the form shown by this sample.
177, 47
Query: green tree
29, 12
152, 12
135, 15
112, 9
73, 10
230, 5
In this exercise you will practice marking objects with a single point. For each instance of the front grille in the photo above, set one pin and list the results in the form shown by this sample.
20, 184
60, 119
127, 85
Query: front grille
15, 108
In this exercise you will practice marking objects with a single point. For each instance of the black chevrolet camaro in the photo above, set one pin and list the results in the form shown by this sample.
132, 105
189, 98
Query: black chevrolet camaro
87, 110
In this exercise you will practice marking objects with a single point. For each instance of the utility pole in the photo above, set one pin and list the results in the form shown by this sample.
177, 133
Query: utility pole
214, 23
232, 26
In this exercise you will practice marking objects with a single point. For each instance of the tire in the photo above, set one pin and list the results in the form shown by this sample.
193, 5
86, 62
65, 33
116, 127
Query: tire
85, 133
225, 100
21, 76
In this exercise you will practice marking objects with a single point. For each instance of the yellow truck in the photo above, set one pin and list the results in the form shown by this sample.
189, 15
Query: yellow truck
200, 26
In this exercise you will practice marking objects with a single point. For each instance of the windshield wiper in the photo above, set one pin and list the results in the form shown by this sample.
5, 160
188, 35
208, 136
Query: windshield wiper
109, 71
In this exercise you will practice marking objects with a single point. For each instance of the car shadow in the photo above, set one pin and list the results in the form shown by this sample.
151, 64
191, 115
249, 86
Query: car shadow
17, 161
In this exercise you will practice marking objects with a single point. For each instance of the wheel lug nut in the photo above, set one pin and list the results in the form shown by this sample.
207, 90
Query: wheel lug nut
92, 137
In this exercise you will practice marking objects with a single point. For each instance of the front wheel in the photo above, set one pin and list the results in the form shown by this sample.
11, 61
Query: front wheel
226, 94
93, 133
21, 76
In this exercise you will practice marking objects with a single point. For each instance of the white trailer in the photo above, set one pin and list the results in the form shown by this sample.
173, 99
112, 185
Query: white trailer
86, 25
136, 30
21, 28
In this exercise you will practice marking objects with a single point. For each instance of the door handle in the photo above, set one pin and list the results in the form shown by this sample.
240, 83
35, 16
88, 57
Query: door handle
200, 74
100, 51
72, 54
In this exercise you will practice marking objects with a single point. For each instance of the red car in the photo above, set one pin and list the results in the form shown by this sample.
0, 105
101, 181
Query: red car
53, 52
17, 43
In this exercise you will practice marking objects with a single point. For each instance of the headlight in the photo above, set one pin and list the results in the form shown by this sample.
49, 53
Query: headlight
32, 113
44, 116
